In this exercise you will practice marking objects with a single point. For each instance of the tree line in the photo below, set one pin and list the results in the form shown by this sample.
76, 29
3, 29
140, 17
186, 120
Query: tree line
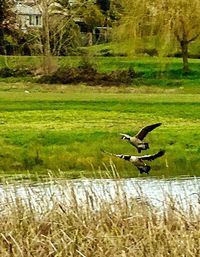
165, 23
63, 24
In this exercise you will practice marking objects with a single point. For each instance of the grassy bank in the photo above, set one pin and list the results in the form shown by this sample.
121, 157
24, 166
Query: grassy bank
123, 227
61, 128
157, 71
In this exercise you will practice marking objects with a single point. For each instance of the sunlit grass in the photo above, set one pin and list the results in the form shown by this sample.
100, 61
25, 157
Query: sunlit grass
66, 130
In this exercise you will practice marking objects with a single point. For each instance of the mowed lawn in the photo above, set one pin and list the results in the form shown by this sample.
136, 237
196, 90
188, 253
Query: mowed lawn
61, 130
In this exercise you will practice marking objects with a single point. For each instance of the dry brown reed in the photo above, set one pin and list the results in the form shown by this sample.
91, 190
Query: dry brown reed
121, 227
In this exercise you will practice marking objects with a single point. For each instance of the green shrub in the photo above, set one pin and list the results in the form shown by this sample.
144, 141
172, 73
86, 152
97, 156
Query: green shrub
89, 75
18, 72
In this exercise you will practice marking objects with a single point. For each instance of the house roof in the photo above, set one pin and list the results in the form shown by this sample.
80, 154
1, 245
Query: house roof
25, 9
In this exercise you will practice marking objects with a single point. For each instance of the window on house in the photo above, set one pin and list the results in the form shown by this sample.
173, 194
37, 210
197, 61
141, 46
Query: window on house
31, 20
35, 20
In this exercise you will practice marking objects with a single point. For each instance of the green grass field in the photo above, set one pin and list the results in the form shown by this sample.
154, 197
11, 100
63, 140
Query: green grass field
62, 129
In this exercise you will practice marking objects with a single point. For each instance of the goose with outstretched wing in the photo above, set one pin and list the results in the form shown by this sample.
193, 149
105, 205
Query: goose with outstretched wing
138, 161
137, 140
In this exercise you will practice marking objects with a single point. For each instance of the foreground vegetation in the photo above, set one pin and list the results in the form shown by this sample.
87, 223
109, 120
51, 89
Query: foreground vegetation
63, 129
122, 227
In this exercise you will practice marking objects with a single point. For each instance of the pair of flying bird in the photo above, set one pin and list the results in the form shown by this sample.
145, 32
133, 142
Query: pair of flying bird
139, 144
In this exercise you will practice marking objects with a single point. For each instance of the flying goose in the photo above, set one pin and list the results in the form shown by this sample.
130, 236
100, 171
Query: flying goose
136, 140
138, 161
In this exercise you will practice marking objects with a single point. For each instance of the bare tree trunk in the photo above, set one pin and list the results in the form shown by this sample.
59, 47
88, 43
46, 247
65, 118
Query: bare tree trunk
184, 50
46, 40
90, 39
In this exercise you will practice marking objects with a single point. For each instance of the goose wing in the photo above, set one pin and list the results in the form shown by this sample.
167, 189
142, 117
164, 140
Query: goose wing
144, 131
152, 157
125, 135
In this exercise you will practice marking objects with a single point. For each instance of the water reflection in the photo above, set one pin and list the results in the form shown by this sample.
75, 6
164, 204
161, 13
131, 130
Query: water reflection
43, 196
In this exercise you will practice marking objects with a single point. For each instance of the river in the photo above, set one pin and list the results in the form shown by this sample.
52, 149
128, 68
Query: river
42, 196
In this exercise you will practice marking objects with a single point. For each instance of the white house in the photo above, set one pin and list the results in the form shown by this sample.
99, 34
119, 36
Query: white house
28, 14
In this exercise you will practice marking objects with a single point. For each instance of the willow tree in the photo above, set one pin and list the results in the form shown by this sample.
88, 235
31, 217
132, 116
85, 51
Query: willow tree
169, 21
131, 25
179, 20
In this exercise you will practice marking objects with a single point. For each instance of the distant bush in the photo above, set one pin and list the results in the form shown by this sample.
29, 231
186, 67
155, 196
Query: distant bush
179, 55
108, 52
148, 51
18, 72
89, 75
6, 72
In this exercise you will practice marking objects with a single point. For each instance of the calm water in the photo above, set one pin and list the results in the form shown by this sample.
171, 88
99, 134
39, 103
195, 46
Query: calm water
185, 191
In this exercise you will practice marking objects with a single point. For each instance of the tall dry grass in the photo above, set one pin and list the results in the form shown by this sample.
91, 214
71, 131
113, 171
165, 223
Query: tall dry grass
95, 227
